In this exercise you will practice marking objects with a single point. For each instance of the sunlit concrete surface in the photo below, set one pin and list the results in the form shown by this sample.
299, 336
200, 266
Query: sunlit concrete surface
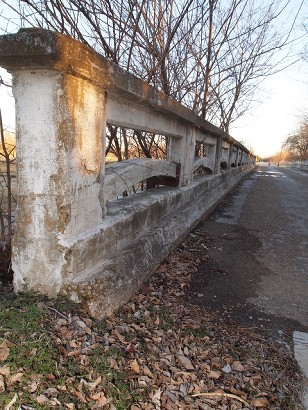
300, 340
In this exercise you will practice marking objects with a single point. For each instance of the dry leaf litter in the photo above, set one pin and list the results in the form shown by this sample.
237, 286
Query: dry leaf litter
157, 352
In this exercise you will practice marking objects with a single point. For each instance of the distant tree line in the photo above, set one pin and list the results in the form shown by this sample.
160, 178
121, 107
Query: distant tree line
297, 143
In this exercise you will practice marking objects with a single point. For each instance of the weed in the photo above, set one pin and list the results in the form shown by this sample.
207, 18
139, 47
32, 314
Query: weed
200, 332
117, 385
167, 321
99, 359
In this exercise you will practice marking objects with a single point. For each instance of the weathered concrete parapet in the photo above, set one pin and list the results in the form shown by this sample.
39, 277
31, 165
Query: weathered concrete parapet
60, 142
121, 176
65, 240
205, 163
300, 163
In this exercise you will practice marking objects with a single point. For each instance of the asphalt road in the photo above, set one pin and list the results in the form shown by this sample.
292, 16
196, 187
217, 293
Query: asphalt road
257, 273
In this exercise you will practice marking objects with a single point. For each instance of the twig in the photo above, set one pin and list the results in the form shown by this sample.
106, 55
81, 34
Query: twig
231, 396
59, 313
10, 404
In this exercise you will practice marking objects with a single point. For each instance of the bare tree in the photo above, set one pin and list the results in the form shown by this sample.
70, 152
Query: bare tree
241, 51
297, 144
210, 55
6, 204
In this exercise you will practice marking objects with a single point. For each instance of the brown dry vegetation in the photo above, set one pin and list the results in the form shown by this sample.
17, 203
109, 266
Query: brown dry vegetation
157, 352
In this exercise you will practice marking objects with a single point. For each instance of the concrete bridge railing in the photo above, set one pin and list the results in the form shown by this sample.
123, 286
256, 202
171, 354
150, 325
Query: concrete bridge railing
300, 163
71, 235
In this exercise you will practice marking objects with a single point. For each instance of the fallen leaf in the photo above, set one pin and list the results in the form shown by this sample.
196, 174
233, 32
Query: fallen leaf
134, 366
156, 397
93, 385
32, 387
214, 374
100, 398
131, 348
113, 363
4, 351
184, 361
5, 370
147, 372
42, 399
144, 381
54, 402
109, 324
2, 384
205, 367
119, 336
15, 378
260, 402
237, 366
227, 368
79, 395
255, 379
168, 404
33, 352
74, 353
215, 362
51, 376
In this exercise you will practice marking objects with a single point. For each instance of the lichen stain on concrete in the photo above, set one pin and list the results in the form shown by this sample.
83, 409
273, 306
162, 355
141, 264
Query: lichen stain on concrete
64, 216
85, 110
97, 296
26, 219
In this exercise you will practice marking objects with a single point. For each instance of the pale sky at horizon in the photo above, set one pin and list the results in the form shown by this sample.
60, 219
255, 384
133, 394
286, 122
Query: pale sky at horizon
283, 96
285, 99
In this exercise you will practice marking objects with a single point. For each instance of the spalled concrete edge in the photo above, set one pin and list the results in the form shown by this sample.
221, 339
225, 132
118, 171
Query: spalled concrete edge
300, 341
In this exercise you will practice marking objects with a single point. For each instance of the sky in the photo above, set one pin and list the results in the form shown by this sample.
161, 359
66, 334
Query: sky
284, 99
281, 99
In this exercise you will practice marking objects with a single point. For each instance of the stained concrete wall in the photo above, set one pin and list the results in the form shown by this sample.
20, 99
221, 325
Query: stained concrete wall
141, 231
71, 237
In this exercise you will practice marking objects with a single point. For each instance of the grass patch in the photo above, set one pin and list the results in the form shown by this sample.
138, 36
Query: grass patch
167, 321
22, 326
116, 382
44, 362
199, 332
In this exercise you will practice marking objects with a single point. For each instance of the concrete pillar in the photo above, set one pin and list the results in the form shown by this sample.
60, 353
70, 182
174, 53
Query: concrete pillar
237, 156
218, 152
182, 150
241, 157
230, 155
211, 153
244, 158
60, 159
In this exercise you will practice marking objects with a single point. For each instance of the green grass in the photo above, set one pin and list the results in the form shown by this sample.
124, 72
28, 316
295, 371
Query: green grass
22, 326
167, 321
26, 327
116, 384
200, 332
